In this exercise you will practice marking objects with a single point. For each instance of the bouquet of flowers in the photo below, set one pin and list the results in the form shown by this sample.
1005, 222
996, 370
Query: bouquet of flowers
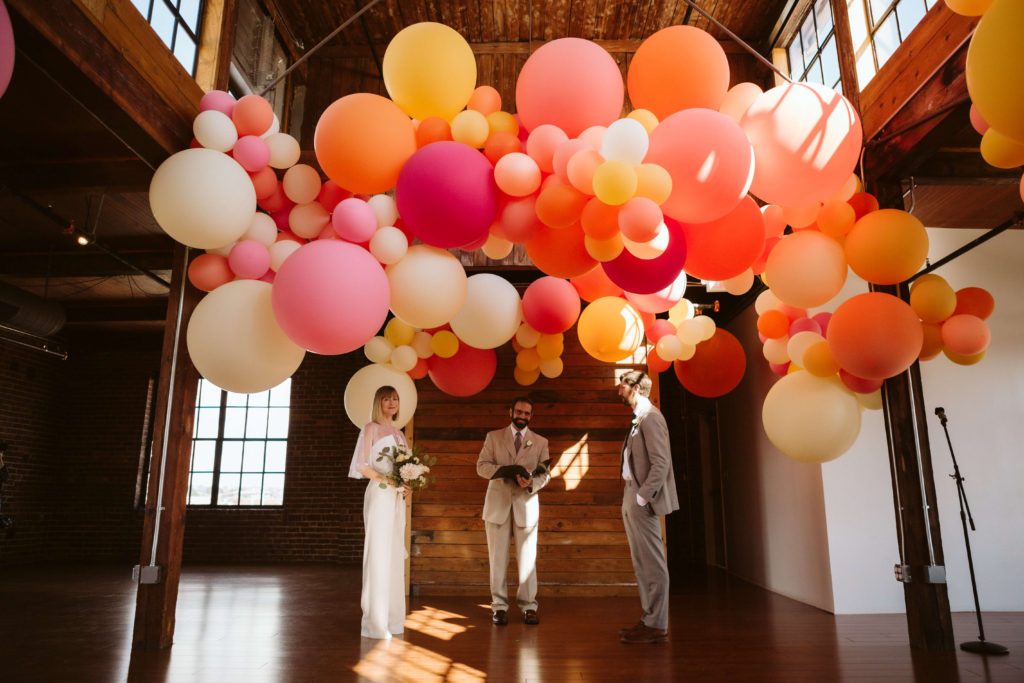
409, 467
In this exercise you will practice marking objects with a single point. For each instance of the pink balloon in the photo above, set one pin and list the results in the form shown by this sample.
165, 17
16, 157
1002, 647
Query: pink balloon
542, 144
710, 160
807, 140
780, 368
804, 325
563, 153
251, 153
446, 194
822, 320
330, 296
571, 83
217, 100
6, 49
646, 276
517, 220
859, 385
662, 300
354, 220
658, 329
727, 246
551, 305
466, 373
249, 259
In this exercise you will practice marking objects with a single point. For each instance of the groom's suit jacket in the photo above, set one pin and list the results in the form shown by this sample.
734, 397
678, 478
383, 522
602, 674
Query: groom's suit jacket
505, 496
650, 461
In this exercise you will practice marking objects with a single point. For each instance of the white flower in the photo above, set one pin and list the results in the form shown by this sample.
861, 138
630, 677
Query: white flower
528, 443
411, 471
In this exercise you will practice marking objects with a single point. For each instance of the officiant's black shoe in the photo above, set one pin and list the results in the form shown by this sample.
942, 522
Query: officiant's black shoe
645, 634
625, 631
530, 617
499, 617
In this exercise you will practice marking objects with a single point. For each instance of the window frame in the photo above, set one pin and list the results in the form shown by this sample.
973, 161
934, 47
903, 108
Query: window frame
796, 33
890, 11
179, 23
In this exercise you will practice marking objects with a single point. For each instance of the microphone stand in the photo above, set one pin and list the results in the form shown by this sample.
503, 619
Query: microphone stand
981, 646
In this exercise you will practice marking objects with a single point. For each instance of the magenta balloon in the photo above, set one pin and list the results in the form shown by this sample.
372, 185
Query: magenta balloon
662, 300
354, 220
571, 83
446, 194
330, 296
217, 100
6, 48
249, 260
466, 373
710, 160
551, 305
647, 276
251, 153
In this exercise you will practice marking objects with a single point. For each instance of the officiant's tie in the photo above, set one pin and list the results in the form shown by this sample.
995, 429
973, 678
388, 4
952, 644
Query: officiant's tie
519, 440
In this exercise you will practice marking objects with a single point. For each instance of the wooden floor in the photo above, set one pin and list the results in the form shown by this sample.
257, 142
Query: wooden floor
301, 623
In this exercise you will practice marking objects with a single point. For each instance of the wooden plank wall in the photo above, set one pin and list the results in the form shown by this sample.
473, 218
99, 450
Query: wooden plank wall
582, 545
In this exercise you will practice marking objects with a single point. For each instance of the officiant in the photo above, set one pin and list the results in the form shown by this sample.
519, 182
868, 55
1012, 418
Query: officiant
515, 460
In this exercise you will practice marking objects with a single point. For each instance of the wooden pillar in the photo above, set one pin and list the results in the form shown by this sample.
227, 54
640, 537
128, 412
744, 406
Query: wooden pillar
845, 49
160, 572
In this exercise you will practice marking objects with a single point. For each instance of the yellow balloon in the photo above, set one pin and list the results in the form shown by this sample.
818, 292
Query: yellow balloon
932, 298
1000, 150
603, 250
811, 419
399, 332
885, 247
610, 329
615, 182
525, 377
961, 359
550, 346
969, 8
653, 182
444, 344
995, 60
502, 121
429, 70
470, 128
528, 360
818, 360
646, 118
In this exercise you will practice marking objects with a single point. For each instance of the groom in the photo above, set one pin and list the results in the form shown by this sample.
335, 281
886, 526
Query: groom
514, 459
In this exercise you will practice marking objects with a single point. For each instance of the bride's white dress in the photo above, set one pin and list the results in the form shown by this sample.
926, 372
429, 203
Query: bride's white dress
383, 597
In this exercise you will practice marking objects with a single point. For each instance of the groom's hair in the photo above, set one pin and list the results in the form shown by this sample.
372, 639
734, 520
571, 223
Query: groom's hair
638, 379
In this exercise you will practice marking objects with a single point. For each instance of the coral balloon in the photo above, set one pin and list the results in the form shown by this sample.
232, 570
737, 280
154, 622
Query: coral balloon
810, 419
932, 298
874, 335
491, 313
806, 139
659, 301
433, 129
974, 301
886, 246
362, 141
716, 367
932, 344
485, 100
501, 143
207, 272
571, 83
646, 276
560, 205
428, 286
639, 219
363, 385
727, 246
806, 268
966, 335
859, 385
560, 252
679, 67
595, 284
517, 174
466, 373
252, 115
551, 305
446, 194
738, 100
994, 61
610, 329
429, 70
542, 143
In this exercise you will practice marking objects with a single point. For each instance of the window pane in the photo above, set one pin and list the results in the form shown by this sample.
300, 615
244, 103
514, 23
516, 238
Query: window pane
277, 427
189, 11
878, 8
143, 7
227, 492
273, 489
209, 393
830, 63
865, 68
206, 423
887, 39
234, 423
858, 26
200, 489
807, 39
281, 394
231, 456
910, 13
276, 451
251, 489
823, 18
796, 59
814, 73
185, 49
259, 400
256, 423
237, 399
253, 457
163, 22
202, 455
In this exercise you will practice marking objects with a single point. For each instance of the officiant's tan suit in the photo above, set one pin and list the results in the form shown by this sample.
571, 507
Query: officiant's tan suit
512, 510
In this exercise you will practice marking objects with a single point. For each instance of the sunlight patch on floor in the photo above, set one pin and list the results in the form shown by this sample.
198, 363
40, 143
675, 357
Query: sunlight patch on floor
436, 623
397, 660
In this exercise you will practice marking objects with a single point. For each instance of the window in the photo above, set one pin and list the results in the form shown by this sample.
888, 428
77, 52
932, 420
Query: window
877, 28
813, 55
239, 445
177, 24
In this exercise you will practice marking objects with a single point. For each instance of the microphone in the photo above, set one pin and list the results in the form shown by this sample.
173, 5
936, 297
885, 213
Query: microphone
941, 413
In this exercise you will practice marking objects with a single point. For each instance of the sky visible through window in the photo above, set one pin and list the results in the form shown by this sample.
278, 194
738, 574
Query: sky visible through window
177, 24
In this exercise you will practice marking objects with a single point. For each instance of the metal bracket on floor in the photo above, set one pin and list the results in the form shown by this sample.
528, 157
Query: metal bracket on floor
921, 573
152, 573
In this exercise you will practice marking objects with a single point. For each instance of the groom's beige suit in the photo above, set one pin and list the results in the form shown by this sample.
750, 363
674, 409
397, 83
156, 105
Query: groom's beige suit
512, 511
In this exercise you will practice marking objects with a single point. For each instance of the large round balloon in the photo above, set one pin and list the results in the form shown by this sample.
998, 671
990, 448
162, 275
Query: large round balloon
610, 329
715, 368
806, 269
646, 276
679, 67
807, 140
995, 61
491, 313
202, 198
466, 373
811, 419
560, 252
235, 342
446, 194
6, 49
662, 300
362, 141
330, 296
429, 70
570, 83
874, 335
363, 385
595, 284
725, 247
428, 286
710, 160
551, 305
886, 246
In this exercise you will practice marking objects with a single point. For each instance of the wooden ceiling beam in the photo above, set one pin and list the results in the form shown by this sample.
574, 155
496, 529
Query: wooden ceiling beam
521, 47
84, 262
90, 175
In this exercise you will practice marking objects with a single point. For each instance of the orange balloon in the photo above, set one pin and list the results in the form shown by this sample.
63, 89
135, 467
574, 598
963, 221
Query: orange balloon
560, 252
727, 246
207, 272
818, 360
501, 143
966, 335
863, 204
610, 329
932, 298
886, 246
773, 324
502, 120
836, 218
716, 367
974, 301
600, 221
679, 67
252, 115
603, 250
932, 345
559, 206
362, 141
595, 284
581, 167
485, 100
961, 359
433, 129
874, 335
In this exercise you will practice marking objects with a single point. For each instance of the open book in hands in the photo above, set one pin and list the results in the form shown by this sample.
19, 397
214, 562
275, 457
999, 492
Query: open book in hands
510, 472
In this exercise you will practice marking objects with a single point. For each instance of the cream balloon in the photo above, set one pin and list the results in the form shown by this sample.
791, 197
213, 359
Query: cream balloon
384, 208
235, 342
527, 336
279, 251
690, 331
683, 310
811, 419
378, 349
740, 284
551, 367
428, 286
388, 245
284, 150
707, 325
669, 347
775, 351
364, 384
491, 313
403, 358
496, 247
262, 229
421, 344
215, 130
766, 301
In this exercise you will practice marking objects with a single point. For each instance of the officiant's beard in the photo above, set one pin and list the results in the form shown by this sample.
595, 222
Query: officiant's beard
520, 423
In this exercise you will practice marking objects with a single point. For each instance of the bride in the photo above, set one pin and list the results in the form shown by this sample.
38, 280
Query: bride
383, 596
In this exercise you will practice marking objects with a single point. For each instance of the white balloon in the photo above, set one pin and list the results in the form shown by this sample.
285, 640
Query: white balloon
775, 351
428, 286
766, 301
626, 140
235, 341
669, 347
279, 251
707, 326
224, 251
378, 349
404, 358
262, 229
740, 284
388, 245
384, 208
202, 198
284, 150
215, 130
364, 384
491, 313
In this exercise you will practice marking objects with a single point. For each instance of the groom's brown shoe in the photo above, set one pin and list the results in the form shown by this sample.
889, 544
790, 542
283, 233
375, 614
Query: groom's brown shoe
624, 631
645, 634
499, 617
530, 617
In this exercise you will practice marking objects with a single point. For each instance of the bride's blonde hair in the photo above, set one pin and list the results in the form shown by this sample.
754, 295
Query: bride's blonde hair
377, 415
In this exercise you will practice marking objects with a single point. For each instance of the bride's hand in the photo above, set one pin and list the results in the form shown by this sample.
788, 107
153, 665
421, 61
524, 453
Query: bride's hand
405, 490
